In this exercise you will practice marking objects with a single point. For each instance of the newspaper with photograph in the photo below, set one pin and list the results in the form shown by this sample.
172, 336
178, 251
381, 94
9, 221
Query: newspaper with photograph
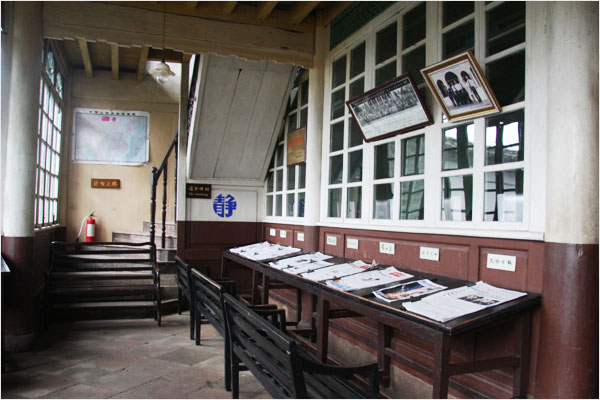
365, 282
454, 303
408, 290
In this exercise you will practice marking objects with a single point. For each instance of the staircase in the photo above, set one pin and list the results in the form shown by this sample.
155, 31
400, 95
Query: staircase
165, 258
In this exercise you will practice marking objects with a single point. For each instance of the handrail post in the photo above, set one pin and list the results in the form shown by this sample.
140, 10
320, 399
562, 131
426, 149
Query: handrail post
153, 206
164, 208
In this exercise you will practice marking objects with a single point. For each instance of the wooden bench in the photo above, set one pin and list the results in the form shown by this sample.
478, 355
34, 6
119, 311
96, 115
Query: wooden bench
281, 367
92, 279
207, 295
184, 278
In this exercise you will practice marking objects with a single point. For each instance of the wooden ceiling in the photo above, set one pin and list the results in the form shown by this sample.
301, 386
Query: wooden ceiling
131, 32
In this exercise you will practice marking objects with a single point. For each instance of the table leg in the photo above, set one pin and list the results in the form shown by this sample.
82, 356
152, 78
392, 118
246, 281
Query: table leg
253, 290
522, 342
298, 306
441, 362
313, 324
223, 261
322, 329
385, 341
264, 296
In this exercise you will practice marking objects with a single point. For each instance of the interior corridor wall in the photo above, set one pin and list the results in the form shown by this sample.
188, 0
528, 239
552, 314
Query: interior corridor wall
124, 209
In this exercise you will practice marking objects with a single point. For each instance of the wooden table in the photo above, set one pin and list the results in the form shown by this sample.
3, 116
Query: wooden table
391, 316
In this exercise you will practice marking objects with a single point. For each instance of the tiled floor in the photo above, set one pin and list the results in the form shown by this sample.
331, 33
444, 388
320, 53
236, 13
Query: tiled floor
123, 359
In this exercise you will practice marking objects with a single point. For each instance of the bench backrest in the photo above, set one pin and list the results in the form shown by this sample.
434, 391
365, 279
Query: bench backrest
183, 270
266, 351
207, 297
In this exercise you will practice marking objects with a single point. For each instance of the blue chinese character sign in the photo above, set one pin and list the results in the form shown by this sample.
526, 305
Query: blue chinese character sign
224, 205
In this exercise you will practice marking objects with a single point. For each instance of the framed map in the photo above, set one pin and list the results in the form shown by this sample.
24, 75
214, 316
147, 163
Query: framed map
110, 136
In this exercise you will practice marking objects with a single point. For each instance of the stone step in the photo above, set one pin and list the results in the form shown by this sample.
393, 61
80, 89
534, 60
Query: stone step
142, 237
171, 228
112, 310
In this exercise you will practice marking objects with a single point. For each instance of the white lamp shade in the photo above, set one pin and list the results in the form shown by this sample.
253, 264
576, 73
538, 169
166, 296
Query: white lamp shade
162, 72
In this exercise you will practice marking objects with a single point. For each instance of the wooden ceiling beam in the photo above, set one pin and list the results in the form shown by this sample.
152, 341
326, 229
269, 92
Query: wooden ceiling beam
328, 14
114, 61
265, 8
85, 55
142, 63
301, 11
228, 7
169, 55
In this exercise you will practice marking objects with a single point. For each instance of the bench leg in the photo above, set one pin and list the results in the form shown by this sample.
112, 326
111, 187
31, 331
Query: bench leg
235, 377
192, 320
197, 323
179, 301
228, 366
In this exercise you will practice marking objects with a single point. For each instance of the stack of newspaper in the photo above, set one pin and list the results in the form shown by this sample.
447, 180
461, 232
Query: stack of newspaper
337, 271
454, 303
302, 260
263, 251
365, 282
408, 290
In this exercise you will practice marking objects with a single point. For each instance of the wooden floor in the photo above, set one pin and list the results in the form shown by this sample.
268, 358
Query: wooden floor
122, 359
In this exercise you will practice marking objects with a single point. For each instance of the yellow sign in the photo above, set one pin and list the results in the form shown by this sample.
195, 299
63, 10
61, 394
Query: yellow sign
106, 183
296, 147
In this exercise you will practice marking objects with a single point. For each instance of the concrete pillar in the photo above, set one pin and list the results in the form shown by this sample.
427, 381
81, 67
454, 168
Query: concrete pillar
314, 134
17, 229
568, 355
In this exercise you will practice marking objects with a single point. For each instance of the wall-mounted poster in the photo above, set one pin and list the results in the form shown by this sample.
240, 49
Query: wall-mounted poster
461, 88
296, 147
392, 108
110, 136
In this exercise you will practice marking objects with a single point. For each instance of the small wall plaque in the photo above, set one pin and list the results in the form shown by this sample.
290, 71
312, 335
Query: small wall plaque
197, 191
106, 183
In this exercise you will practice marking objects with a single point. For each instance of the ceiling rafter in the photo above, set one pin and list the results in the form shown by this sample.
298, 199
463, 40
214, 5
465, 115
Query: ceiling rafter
85, 55
142, 63
114, 61
228, 7
265, 8
301, 10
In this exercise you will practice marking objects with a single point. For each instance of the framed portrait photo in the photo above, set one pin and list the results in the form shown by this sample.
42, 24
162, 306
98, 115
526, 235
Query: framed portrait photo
389, 109
460, 87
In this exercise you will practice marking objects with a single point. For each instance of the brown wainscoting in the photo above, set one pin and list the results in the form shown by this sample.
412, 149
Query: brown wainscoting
300, 236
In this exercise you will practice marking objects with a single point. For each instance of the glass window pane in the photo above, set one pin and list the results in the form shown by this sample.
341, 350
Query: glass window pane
50, 67
58, 141
301, 176
413, 156
382, 201
413, 62
354, 202
357, 87
457, 198
459, 39
279, 180
339, 72
304, 93
412, 199
291, 178
334, 204
59, 85
414, 26
504, 138
355, 166
301, 204
504, 196
290, 205
505, 26
292, 121
336, 164
356, 137
303, 117
278, 205
384, 160
269, 206
336, 137
385, 46
507, 78
338, 103
279, 155
385, 73
457, 150
357, 60
455, 10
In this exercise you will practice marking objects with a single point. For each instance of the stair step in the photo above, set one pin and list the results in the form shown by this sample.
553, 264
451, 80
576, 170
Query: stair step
102, 268
102, 292
171, 227
105, 305
141, 237
101, 275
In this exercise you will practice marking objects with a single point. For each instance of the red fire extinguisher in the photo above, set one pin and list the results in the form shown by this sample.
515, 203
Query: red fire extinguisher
90, 228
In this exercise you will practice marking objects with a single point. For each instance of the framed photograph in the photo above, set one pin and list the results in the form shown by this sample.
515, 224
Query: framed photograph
392, 108
461, 88
296, 147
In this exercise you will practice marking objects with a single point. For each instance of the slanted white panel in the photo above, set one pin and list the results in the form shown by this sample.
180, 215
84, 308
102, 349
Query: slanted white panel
240, 114
264, 121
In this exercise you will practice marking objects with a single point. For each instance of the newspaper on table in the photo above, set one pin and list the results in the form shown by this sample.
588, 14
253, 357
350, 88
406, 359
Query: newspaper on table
263, 251
408, 290
365, 282
337, 271
454, 303
300, 260
308, 267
